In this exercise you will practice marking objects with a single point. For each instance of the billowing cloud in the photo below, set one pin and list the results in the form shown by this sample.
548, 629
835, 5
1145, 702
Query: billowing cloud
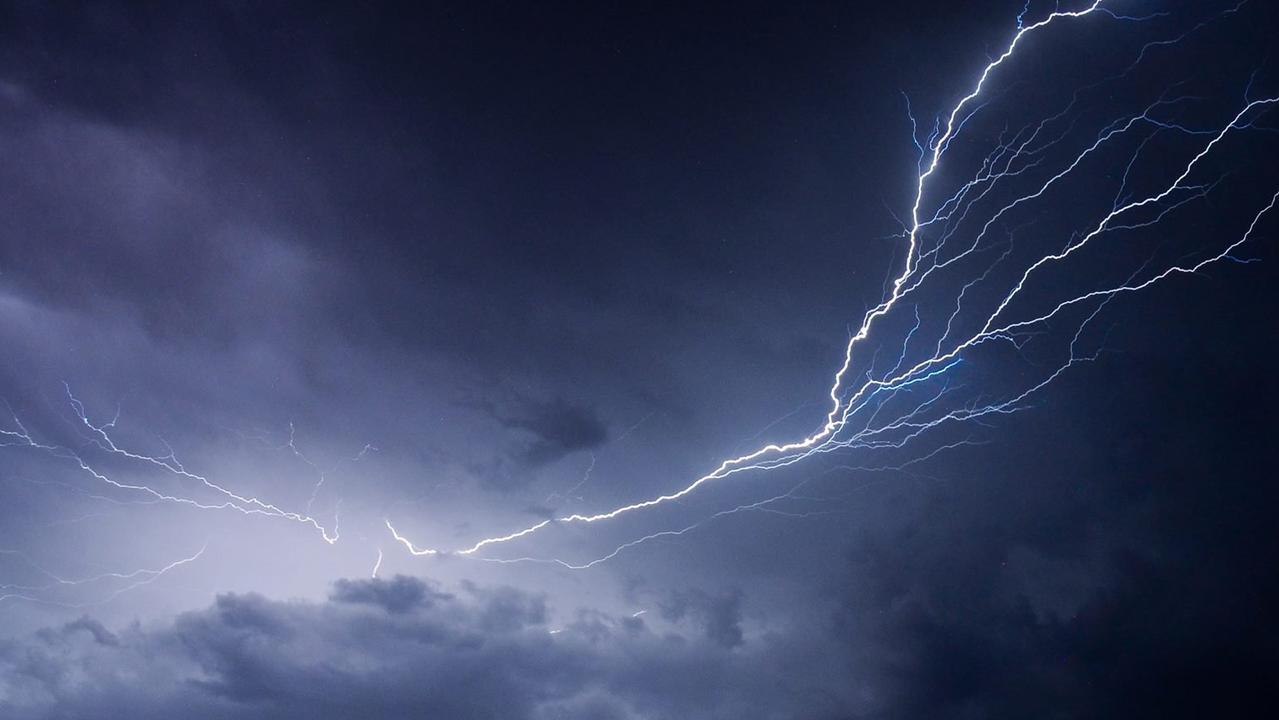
555, 429
395, 648
719, 615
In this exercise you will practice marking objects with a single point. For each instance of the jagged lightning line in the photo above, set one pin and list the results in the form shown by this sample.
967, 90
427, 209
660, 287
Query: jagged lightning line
831, 425
322, 473
137, 579
874, 393
99, 436
874, 410
571, 494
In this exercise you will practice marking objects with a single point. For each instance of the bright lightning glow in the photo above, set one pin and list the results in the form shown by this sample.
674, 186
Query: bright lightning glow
858, 418
922, 385
101, 438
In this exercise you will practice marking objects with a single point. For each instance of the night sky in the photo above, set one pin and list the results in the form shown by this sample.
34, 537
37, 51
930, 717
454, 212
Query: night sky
478, 360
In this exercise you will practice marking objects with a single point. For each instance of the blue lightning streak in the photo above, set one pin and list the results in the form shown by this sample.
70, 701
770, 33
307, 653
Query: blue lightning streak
870, 398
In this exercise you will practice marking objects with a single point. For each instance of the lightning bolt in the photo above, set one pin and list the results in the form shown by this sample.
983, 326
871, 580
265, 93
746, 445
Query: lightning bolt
875, 404
885, 410
99, 437
134, 579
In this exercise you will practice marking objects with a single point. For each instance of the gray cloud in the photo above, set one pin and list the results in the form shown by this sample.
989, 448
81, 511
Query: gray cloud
227, 218
720, 615
537, 433
555, 428
397, 595
395, 648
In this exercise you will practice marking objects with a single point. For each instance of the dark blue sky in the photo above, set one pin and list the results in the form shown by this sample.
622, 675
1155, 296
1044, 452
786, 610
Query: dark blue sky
273, 277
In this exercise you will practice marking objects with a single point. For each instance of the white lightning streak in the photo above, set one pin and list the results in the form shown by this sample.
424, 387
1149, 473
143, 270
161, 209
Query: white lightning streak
138, 577
100, 438
874, 393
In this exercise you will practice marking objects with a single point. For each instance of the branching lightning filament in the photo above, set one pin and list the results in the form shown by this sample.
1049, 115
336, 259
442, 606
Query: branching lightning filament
956, 234
1002, 262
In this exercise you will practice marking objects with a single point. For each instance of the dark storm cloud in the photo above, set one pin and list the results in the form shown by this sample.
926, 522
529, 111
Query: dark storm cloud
397, 595
556, 428
241, 214
1135, 581
954, 635
95, 629
534, 433
216, 199
720, 615
128, 248
515, 232
488, 653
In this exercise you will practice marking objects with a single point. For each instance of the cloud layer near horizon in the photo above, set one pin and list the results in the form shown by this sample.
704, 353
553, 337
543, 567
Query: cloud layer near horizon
395, 648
